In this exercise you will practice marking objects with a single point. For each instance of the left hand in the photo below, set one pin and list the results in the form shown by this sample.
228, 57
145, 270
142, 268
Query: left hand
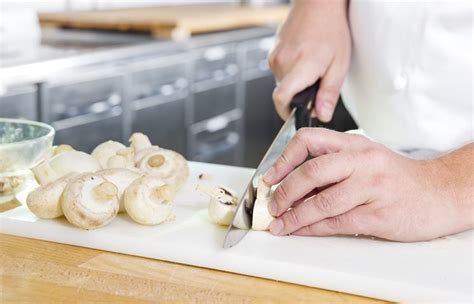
356, 186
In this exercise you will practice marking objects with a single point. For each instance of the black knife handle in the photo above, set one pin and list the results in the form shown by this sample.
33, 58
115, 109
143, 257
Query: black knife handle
303, 102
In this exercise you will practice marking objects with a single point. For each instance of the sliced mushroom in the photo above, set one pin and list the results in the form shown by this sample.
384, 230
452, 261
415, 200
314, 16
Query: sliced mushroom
90, 201
139, 155
148, 200
222, 204
105, 150
262, 218
122, 178
168, 165
45, 201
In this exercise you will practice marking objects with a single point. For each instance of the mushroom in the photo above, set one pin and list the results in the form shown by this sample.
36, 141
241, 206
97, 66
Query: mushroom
59, 165
90, 201
222, 204
45, 201
121, 178
168, 165
148, 200
105, 150
139, 141
261, 217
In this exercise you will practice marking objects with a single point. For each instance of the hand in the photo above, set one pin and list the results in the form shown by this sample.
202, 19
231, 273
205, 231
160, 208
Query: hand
356, 186
314, 43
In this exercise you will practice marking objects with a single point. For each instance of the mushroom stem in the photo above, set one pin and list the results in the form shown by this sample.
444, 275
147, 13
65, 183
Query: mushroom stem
156, 161
62, 148
105, 191
139, 141
44, 173
165, 192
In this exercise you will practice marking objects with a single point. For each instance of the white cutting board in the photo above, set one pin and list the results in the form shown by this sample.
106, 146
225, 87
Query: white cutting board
437, 270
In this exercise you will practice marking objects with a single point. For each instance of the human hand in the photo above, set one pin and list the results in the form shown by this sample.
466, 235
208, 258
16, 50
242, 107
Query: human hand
356, 186
314, 43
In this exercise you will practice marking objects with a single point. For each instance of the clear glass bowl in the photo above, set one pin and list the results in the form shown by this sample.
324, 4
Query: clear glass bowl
23, 144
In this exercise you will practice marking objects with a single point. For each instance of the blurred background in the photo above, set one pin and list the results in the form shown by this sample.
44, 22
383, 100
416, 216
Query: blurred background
192, 75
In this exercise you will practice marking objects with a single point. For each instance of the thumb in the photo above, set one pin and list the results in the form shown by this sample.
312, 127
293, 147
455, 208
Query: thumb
328, 93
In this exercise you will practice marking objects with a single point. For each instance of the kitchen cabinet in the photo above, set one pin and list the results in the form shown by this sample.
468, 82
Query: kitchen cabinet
20, 102
262, 123
159, 91
218, 139
86, 110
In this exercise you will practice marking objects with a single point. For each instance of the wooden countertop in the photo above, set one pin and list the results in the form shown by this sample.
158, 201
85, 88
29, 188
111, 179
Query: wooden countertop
45, 272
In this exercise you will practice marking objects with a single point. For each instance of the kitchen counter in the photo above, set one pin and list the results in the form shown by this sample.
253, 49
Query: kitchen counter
50, 272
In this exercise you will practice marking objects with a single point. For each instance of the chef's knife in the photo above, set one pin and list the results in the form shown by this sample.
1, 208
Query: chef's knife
301, 107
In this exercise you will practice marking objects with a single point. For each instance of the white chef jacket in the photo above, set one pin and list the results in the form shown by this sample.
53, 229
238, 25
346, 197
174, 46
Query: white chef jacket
410, 81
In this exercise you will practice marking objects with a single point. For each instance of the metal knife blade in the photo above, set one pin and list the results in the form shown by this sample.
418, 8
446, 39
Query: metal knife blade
244, 209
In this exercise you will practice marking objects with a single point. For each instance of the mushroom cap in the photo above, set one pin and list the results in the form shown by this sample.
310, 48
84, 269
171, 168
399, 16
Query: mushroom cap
168, 165
73, 161
261, 216
105, 150
90, 201
45, 201
222, 204
148, 201
139, 141
121, 178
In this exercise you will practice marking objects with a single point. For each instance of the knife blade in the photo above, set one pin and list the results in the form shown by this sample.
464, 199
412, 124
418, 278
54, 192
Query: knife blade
300, 116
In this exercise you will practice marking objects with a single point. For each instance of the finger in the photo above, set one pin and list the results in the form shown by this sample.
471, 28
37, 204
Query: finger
317, 172
333, 201
301, 76
308, 142
329, 90
355, 221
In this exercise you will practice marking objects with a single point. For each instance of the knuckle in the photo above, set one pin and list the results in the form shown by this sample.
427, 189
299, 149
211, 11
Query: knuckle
375, 154
292, 218
281, 194
302, 135
335, 223
324, 203
279, 96
311, 168
276, 59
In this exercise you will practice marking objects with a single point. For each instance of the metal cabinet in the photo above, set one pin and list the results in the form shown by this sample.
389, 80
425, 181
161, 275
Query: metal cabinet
86, 110
261, 120
20, 102
217, 140
158, 90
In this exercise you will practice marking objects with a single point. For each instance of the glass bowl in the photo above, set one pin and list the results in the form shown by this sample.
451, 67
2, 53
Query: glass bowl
23, 143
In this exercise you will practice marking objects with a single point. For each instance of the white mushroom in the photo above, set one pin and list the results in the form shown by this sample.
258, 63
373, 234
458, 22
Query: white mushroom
139, 155
222, 204
121, 178
90, 201
139, 141
168, 165
45, 201
105, 150
61, 164
148, 200
261, 217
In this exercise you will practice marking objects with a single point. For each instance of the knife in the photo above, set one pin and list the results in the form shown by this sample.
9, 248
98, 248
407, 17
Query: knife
301, 107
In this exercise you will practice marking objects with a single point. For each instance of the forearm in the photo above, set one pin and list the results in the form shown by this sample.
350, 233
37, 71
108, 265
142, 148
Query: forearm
457, 174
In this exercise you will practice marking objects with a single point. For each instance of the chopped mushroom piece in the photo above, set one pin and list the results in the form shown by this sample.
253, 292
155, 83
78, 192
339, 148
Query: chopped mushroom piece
148, 200
106, 150
222, 204
90, 201
122, 178
167, 165
261, 217
139, 141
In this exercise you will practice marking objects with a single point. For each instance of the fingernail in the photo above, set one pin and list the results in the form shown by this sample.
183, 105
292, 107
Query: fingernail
268, 177
325, 112
276, 226
272, 208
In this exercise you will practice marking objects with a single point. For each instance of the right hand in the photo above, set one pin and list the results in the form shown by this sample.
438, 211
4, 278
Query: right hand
314, 43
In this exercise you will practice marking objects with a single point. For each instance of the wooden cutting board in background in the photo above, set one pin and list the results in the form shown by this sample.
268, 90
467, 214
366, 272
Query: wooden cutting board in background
176, 22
